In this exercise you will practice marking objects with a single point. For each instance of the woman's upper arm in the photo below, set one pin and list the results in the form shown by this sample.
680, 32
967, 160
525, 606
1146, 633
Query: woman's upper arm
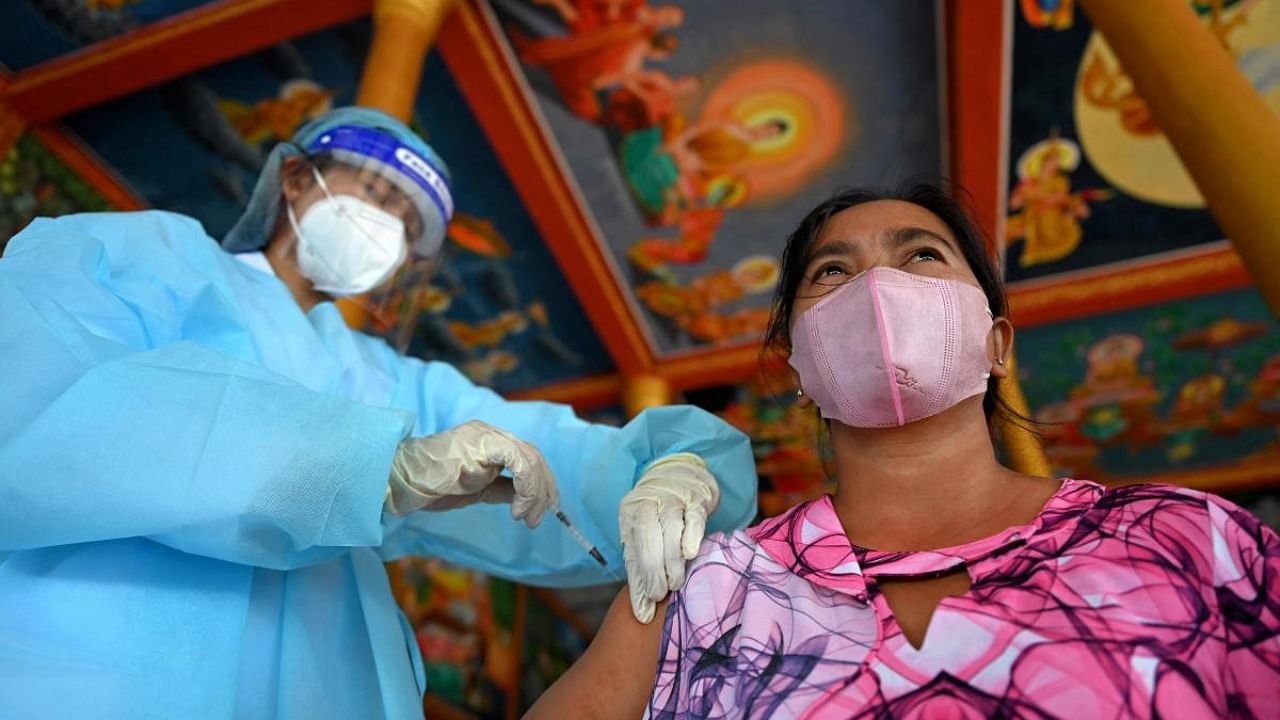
614, 677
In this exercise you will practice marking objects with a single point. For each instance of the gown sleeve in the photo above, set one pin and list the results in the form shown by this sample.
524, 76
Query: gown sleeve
594, 465
131, 409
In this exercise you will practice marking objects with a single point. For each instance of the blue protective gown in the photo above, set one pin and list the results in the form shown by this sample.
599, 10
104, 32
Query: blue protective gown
192, 474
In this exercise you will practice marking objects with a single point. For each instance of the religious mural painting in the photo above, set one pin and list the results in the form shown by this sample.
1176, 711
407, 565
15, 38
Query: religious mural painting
695, 159
1092, 179
1182, 386
35, 183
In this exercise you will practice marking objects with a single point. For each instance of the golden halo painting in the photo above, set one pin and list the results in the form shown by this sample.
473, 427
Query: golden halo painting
796, 98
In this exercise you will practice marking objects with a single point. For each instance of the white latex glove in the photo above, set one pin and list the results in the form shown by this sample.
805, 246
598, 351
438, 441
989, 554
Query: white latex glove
461, 466
661, 522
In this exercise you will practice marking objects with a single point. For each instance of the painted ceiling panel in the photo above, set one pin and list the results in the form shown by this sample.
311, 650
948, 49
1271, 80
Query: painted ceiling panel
194, 146
32, 31
698, 143
1184, 385
1092, 179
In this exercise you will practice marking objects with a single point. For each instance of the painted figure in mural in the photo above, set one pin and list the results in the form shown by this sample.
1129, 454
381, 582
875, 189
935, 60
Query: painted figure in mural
1115, 402
1197, 408
1047, 214
606, 55
204, 468
935, 581
277, 119
1056, 14
1169, 389
1262, 406
672, 172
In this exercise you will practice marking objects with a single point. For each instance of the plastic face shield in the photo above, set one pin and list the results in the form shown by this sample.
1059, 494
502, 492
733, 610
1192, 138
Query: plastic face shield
386, 172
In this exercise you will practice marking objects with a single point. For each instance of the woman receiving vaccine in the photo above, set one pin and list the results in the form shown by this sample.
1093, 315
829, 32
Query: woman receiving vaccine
936, 582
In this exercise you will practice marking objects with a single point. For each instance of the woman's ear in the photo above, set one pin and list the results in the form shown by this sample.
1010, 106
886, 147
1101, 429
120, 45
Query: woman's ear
802, 398
1000, 347
294, 176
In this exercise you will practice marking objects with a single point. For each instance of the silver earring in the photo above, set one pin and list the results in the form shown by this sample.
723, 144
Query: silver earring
1000, 361
800, 393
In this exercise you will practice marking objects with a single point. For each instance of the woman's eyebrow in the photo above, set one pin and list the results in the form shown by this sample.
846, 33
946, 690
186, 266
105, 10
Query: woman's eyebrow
831, 249
899, 236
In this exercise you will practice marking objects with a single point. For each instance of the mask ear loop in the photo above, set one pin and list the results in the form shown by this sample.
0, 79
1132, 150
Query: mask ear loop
290, 213
324, 186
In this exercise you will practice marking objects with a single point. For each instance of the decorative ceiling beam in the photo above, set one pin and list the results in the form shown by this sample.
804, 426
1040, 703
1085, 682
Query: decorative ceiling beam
975, 44
69, 151
586, 393
165, 50
88, 167
693, 371
502, 104
1128, 285
12, 125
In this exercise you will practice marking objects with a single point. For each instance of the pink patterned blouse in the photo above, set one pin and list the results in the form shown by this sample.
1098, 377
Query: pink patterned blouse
1144, 601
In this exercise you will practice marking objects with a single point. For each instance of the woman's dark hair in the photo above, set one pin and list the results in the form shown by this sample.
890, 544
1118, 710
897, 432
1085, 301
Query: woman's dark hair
932, 197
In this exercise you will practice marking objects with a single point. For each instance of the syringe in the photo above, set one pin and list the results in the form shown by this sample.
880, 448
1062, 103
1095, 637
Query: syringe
583, 541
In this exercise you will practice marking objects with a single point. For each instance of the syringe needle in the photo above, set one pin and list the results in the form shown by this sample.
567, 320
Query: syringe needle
583, 541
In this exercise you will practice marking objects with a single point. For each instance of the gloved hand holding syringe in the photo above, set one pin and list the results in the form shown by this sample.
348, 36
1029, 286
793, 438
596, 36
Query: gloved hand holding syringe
476, 462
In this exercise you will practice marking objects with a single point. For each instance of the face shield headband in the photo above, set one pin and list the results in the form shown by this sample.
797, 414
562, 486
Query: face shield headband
410, 172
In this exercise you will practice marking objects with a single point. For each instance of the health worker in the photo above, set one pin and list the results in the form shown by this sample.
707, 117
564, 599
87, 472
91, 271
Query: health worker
203, 468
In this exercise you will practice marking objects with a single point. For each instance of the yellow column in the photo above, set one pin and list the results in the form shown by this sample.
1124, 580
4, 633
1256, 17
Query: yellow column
403, 32
1225, 135
640, 392
1023, 447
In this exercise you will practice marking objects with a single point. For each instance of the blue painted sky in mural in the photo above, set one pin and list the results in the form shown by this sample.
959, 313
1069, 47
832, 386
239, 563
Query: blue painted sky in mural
32, 31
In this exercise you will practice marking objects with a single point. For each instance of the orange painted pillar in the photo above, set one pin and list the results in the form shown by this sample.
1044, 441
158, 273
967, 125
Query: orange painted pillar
640, 392
1224, 133
403, 32
1022, 446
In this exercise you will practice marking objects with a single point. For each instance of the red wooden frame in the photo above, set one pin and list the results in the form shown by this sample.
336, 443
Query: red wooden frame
101, 178
167, 49
975, 44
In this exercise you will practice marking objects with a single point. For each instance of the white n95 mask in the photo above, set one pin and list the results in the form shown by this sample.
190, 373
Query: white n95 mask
345, 245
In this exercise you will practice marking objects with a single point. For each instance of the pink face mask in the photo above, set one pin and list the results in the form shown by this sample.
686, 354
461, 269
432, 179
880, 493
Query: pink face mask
889, 347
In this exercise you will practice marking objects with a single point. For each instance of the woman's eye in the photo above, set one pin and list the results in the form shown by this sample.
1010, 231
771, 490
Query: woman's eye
828, 271
924, 256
